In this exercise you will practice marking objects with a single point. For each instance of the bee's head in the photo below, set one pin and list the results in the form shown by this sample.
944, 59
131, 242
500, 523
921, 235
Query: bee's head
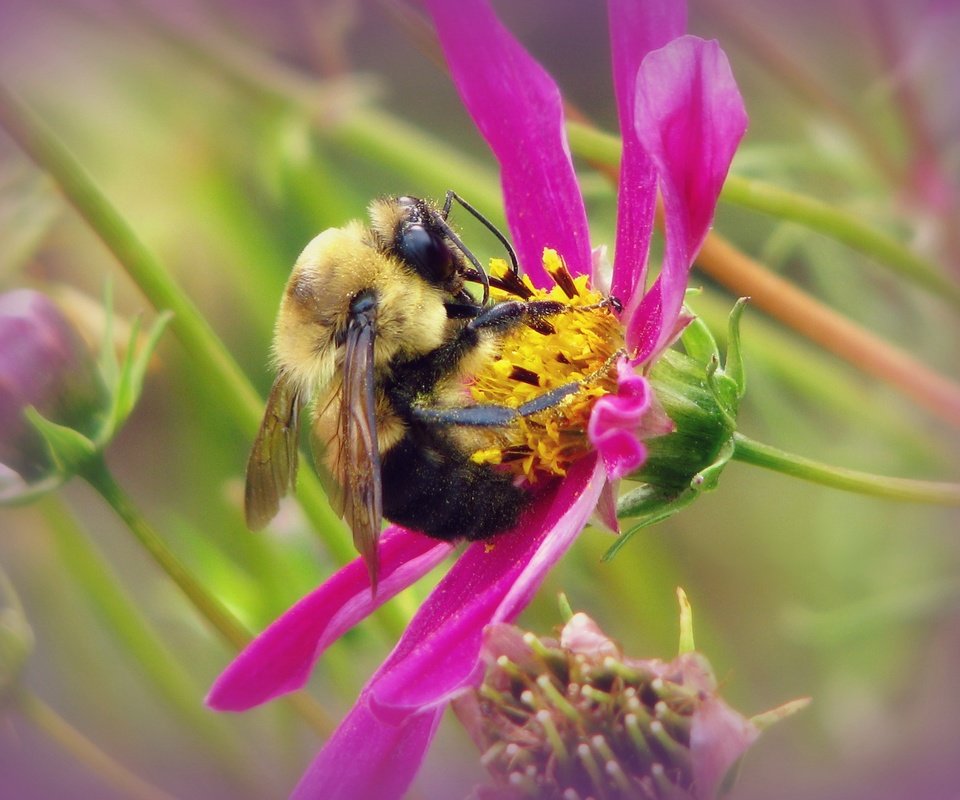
422, 244
419, 236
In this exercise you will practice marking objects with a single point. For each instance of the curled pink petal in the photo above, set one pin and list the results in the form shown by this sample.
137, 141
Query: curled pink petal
491, 582
635, 30
367, 758
616, 422
689, 118
517, 108
279, 660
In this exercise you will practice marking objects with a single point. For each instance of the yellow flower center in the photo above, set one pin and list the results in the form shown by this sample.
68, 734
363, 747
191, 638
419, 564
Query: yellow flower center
578, 346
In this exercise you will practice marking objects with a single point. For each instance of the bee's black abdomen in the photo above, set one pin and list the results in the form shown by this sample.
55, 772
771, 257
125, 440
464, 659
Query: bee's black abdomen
435, 489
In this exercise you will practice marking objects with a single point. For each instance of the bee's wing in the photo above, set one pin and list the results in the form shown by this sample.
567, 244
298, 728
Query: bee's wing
272, 466
357, 465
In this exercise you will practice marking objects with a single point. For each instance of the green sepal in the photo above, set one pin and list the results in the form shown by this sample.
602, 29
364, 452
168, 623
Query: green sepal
733, 366
649, 504
128, 379
687, 643
698, 341
69, 449
566, 610
702, 398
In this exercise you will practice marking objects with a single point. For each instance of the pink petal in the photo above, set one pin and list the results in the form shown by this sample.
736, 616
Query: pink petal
616, 422
491, 582
279, 660
582, 635
689, 118
718, 737
605, 515
367, 758
517, 108
635, 30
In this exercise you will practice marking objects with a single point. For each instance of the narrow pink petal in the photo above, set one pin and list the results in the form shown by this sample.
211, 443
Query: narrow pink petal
368, 758
517, 108
279, 660
635, 30
616, 422
689, 118
606, 513
491, 582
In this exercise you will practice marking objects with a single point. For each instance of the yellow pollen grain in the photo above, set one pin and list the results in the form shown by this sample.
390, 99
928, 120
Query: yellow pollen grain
582, 349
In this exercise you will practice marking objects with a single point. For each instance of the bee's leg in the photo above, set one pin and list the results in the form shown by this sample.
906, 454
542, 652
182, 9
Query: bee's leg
493, 416
504, 316
414, 378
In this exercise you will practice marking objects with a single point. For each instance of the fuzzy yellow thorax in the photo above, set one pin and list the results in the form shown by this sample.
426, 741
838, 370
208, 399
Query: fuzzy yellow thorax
582, 347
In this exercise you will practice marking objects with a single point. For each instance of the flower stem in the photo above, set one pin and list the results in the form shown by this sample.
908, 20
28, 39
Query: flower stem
763, 455
600, 147
85, 751
234, 391
98, 475
135, 634
843, 227
831, 330
774, 59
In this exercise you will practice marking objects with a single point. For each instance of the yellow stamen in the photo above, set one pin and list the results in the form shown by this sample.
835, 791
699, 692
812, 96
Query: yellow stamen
583, 350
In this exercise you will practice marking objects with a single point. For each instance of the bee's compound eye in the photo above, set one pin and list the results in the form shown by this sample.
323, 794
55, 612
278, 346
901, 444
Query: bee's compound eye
426, 252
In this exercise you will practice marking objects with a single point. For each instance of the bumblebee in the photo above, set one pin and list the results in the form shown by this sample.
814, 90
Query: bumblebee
377, 329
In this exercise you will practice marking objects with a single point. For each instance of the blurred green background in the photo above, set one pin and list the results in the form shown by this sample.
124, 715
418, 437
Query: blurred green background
229, 133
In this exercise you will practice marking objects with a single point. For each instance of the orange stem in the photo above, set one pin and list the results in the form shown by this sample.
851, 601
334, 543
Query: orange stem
832, 331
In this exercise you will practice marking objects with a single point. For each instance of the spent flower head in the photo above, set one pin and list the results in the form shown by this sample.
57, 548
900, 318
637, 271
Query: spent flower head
576, 718
681, 118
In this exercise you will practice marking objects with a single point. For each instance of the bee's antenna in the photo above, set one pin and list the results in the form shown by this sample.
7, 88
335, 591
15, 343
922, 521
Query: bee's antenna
452, 195
441, 223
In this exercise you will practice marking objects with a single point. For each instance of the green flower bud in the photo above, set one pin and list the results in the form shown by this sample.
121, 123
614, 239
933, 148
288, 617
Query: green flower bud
59, 408
44, 364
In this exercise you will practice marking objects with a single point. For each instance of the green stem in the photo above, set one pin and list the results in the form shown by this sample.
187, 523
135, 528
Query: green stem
604, 148
793, 74
411, 151
98, 475
236, 394
371, 133
86, 752
843, 227
762, 455
134, 632
594, 145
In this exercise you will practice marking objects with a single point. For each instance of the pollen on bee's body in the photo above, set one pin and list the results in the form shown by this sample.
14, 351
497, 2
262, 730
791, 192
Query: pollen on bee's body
581, 348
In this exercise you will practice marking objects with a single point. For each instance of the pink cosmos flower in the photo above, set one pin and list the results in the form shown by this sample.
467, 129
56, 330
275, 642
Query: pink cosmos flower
681, 118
